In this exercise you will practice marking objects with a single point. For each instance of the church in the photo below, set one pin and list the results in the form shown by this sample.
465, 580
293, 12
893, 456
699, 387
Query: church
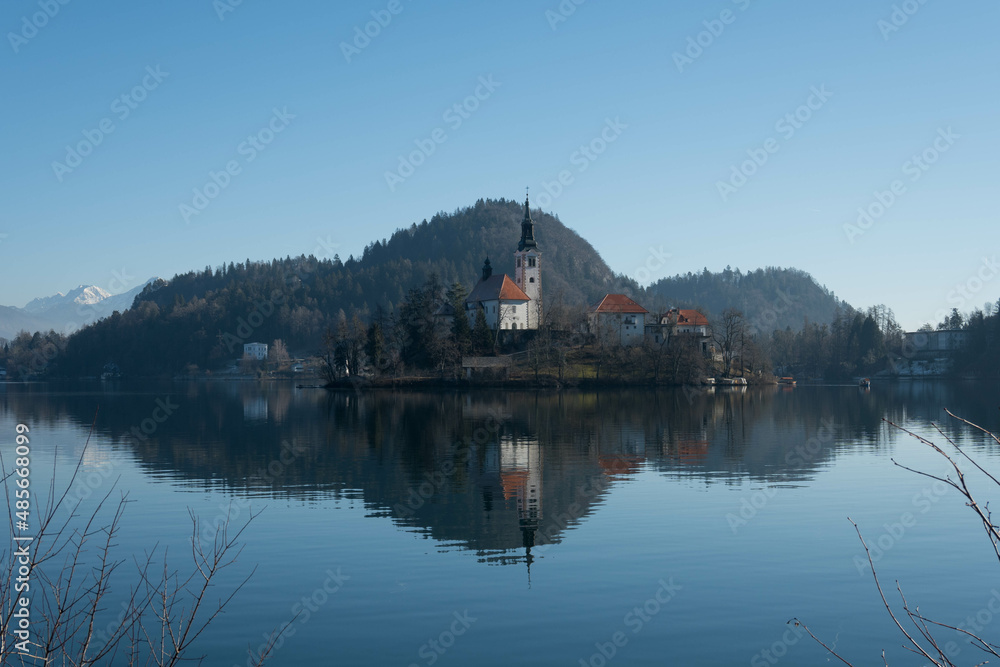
511, 304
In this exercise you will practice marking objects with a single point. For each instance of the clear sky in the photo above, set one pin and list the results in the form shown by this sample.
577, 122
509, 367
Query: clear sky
310, 115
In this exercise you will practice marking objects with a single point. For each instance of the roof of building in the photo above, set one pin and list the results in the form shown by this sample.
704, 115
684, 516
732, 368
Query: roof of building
691, 318
527, 229
616, 303
497, 288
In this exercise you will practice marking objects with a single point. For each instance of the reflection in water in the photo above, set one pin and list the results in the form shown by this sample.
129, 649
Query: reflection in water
504, 474
254, 408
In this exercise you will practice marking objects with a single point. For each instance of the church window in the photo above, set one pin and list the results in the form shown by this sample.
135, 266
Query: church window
519, 262
531, 261
531, 280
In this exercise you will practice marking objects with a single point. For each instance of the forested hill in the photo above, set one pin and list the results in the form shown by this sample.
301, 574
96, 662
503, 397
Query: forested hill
454, 246
200, 317
775, 298
203, 318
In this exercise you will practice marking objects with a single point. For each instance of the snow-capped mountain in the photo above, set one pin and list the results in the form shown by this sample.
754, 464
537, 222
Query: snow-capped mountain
65, 312
86, 295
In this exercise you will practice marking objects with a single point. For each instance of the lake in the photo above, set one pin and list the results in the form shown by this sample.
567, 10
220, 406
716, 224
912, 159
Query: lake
681, 527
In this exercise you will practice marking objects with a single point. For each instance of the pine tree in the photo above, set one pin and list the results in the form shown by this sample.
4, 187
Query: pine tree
482, 337
460, 328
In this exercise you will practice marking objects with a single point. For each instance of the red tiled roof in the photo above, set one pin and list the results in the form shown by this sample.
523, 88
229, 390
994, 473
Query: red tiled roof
497, 287
617, 303
692, 317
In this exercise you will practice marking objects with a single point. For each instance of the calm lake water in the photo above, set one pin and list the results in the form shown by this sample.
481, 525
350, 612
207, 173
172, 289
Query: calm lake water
495, 528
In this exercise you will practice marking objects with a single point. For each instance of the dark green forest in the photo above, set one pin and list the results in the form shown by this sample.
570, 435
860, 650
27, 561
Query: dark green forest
203, 318
771, 298
200, 320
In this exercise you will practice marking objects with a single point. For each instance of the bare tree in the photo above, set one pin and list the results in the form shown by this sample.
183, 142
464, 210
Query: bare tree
539, 350
71, 567
920, 638
730, 334
278, 353
249, 364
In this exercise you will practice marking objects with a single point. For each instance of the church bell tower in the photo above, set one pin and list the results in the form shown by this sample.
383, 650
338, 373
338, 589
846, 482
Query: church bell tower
527, 268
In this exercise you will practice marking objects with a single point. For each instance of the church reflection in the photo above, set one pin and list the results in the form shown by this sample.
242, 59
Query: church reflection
506, 475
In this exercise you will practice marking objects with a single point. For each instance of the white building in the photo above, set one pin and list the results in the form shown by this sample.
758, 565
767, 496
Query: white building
255, 351
942, 340
677, 322
504, 303
528, 268
617, 319
691, 322
511, 304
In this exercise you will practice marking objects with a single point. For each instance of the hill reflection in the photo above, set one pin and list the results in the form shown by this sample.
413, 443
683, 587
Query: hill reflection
498, 473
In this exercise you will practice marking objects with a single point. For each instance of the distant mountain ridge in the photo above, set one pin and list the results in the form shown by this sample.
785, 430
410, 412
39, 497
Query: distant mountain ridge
83, 295
65, 313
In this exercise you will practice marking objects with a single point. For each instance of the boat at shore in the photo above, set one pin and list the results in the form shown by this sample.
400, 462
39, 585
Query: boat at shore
789, 381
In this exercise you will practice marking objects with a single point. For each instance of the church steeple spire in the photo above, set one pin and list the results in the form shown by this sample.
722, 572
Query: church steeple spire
527, 228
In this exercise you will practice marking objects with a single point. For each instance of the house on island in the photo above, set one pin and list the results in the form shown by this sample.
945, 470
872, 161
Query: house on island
511, 304
617, 319
676, 322
256, 351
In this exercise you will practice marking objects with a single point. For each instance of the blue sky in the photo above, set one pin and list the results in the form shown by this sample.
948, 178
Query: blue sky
886, 82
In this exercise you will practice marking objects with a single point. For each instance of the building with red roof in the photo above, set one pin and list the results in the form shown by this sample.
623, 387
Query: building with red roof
689, 323
511, 303
617, 318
